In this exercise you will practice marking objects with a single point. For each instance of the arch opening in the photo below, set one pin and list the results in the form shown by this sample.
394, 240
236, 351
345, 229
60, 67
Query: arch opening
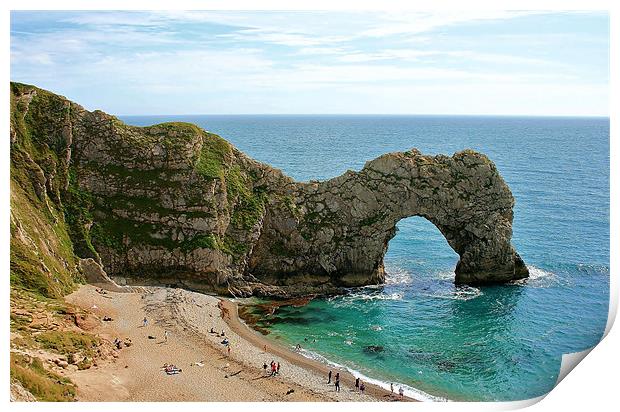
418, 248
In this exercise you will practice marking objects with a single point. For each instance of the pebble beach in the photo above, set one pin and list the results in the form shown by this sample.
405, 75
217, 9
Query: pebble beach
208, 371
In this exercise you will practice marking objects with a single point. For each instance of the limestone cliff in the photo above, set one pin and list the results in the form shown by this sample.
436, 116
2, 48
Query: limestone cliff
172, 203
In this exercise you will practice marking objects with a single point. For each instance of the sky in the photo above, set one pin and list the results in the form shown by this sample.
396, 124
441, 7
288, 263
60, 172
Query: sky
268, 62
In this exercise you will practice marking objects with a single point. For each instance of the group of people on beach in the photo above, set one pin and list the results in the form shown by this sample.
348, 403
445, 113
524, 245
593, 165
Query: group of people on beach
401, 391
359, 385
275, 368
336, 380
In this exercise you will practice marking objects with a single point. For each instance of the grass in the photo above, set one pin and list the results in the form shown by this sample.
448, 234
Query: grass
42, 258
213, 156
78, 216
208, 241
68, 342
42, 384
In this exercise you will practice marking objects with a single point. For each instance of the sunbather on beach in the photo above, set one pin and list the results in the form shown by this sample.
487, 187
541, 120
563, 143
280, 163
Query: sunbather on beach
172, 369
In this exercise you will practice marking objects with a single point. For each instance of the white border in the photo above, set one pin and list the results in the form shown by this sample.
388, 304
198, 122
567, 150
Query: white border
594, 382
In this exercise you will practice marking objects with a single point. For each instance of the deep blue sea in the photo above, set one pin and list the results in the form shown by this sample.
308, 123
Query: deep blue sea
439, 340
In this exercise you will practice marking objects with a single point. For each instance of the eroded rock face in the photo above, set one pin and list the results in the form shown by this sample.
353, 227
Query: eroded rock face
339, 229
172, 203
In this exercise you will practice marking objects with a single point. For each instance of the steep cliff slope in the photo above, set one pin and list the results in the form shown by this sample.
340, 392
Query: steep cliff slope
175, 204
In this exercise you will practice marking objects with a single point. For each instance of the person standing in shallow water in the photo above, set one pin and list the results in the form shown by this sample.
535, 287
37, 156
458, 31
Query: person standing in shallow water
329, 377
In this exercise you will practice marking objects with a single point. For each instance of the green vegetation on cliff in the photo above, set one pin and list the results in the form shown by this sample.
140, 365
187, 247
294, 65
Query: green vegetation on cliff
44, 385
213, 157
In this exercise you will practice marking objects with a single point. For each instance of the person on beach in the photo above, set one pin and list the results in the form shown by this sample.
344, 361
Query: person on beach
337, 376
165, 336
392, 388
357, 384
362, 388
145, 322
329, 377
265, 367
273, 368
401, 392
228, 351
278, 368
337, 383
265, 348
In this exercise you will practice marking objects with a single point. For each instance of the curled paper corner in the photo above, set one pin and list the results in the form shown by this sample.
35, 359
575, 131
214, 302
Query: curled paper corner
514, 405
569, 361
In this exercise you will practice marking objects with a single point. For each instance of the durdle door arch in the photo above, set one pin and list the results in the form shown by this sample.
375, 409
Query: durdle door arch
347, 221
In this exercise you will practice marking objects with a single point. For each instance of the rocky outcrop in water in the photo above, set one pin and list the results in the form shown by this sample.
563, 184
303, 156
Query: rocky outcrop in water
175, 204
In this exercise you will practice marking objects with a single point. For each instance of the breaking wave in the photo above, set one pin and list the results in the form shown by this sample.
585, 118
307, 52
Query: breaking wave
397, 276
458, 293
539, 278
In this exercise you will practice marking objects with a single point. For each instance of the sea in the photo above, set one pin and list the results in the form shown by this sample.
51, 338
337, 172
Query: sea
419, 331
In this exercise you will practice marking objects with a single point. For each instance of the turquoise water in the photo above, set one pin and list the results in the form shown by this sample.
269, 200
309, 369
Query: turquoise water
463, 343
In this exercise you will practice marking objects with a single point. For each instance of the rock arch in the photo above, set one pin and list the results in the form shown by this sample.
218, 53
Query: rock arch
337, 231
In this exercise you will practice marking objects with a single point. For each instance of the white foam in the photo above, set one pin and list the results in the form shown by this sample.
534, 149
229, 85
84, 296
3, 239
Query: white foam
539, 278
374, 296
537, 273
397, 276
446, 275
460, 293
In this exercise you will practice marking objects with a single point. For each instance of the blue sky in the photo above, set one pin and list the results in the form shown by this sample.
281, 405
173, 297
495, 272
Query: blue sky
201, 62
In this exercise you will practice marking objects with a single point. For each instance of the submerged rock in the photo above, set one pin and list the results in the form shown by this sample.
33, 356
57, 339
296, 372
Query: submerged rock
373, 349
175, 204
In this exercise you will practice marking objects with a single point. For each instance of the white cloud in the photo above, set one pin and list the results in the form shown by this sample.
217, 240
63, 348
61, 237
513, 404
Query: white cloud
328, 61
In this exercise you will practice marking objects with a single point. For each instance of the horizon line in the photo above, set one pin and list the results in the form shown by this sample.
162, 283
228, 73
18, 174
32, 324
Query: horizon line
373, 114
